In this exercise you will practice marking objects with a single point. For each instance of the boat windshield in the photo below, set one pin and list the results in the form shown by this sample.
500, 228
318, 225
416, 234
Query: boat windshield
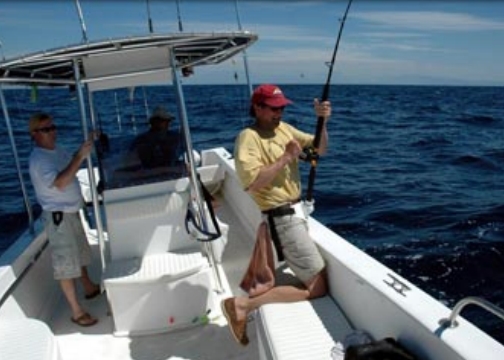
130, 160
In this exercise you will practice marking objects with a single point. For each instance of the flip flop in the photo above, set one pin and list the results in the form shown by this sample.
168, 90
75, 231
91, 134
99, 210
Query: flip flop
93, 294
238, 328
84, 320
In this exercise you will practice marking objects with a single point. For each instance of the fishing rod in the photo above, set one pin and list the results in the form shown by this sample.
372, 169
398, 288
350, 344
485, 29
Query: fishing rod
181, 29
1, 50
149, 20
312, 153
118, 113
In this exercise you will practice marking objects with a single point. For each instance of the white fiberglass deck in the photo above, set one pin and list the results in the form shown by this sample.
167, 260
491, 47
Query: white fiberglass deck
209, 342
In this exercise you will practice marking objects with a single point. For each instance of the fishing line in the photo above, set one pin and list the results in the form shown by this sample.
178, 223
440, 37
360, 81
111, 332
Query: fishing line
311, 154
245, 104
244, 52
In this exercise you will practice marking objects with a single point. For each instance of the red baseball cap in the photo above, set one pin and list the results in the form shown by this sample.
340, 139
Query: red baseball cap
270, 95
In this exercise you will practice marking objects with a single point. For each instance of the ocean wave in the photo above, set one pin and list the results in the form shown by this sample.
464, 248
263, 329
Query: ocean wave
475, 161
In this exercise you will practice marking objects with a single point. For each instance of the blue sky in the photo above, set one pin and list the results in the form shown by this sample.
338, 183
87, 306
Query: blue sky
383, 42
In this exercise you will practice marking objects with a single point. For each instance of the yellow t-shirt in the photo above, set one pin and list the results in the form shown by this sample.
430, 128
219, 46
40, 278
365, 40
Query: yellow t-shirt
256, 148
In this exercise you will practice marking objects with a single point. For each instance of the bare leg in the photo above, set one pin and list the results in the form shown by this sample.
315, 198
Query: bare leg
68, 287
89, 286
316, 287
79, 315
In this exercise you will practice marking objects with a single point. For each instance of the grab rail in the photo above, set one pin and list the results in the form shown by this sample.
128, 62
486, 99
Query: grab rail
450, 322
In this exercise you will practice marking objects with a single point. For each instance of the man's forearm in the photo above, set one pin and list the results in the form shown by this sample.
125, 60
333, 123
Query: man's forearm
268, 173
67, 175
324, 139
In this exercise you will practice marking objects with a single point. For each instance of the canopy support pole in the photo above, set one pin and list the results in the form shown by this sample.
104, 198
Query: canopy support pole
92, 181
201, 215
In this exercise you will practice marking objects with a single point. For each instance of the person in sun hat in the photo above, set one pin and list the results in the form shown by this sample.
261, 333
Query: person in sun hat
266, 160
53, 175
158, 146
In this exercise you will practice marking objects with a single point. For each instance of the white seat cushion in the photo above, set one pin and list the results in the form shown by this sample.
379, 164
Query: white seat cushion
301, 330
27, 339
166, 267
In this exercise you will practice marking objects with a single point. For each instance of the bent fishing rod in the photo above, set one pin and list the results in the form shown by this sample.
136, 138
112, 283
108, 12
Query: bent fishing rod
312, 153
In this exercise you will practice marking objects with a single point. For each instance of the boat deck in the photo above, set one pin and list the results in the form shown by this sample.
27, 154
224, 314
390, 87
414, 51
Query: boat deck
211, 341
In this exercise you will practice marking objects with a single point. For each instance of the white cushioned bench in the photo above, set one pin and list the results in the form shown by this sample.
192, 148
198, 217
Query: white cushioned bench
300, 330
27, 339
158, 293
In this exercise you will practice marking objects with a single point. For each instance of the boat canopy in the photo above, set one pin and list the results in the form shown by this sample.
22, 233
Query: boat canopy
131, 61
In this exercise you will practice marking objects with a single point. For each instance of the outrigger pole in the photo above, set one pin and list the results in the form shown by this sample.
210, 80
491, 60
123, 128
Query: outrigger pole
82, 23
312, 156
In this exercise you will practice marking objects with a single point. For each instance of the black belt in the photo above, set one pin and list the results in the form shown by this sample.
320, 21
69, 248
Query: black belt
281, 210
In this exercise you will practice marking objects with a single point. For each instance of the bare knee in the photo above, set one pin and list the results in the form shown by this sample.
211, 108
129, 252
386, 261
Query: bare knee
317, 287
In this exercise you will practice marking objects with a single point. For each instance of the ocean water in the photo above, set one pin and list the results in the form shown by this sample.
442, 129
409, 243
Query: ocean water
413, 175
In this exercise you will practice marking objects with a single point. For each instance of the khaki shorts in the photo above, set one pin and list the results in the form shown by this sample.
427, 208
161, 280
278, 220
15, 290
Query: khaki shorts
299, 249
69, 245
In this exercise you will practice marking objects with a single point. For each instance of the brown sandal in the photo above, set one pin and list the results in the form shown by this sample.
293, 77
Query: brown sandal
93, 294
84, 320
237, 327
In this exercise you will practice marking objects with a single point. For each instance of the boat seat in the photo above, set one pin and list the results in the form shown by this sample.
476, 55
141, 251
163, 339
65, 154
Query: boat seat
158, 293
148, 219
27, 339
300, 330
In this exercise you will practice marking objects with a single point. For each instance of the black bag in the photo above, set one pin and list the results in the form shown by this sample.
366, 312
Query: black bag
385, 349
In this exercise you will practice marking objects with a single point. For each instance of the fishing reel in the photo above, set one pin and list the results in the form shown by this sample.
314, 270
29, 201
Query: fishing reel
309, 154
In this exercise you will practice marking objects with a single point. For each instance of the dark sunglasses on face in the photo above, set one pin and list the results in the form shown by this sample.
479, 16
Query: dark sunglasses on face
46, 129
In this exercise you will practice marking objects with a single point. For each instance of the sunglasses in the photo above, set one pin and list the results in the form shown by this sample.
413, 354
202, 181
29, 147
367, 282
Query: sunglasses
46, 129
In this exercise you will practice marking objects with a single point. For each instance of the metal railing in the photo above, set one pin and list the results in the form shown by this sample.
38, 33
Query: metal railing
451, 322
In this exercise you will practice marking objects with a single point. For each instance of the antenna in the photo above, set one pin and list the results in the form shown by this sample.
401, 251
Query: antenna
81, 19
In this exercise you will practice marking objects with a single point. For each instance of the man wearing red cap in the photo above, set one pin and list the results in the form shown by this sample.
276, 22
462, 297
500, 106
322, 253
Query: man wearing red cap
266, 160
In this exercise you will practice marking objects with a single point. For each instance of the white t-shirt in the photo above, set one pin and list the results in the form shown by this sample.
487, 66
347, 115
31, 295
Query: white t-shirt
45, 165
